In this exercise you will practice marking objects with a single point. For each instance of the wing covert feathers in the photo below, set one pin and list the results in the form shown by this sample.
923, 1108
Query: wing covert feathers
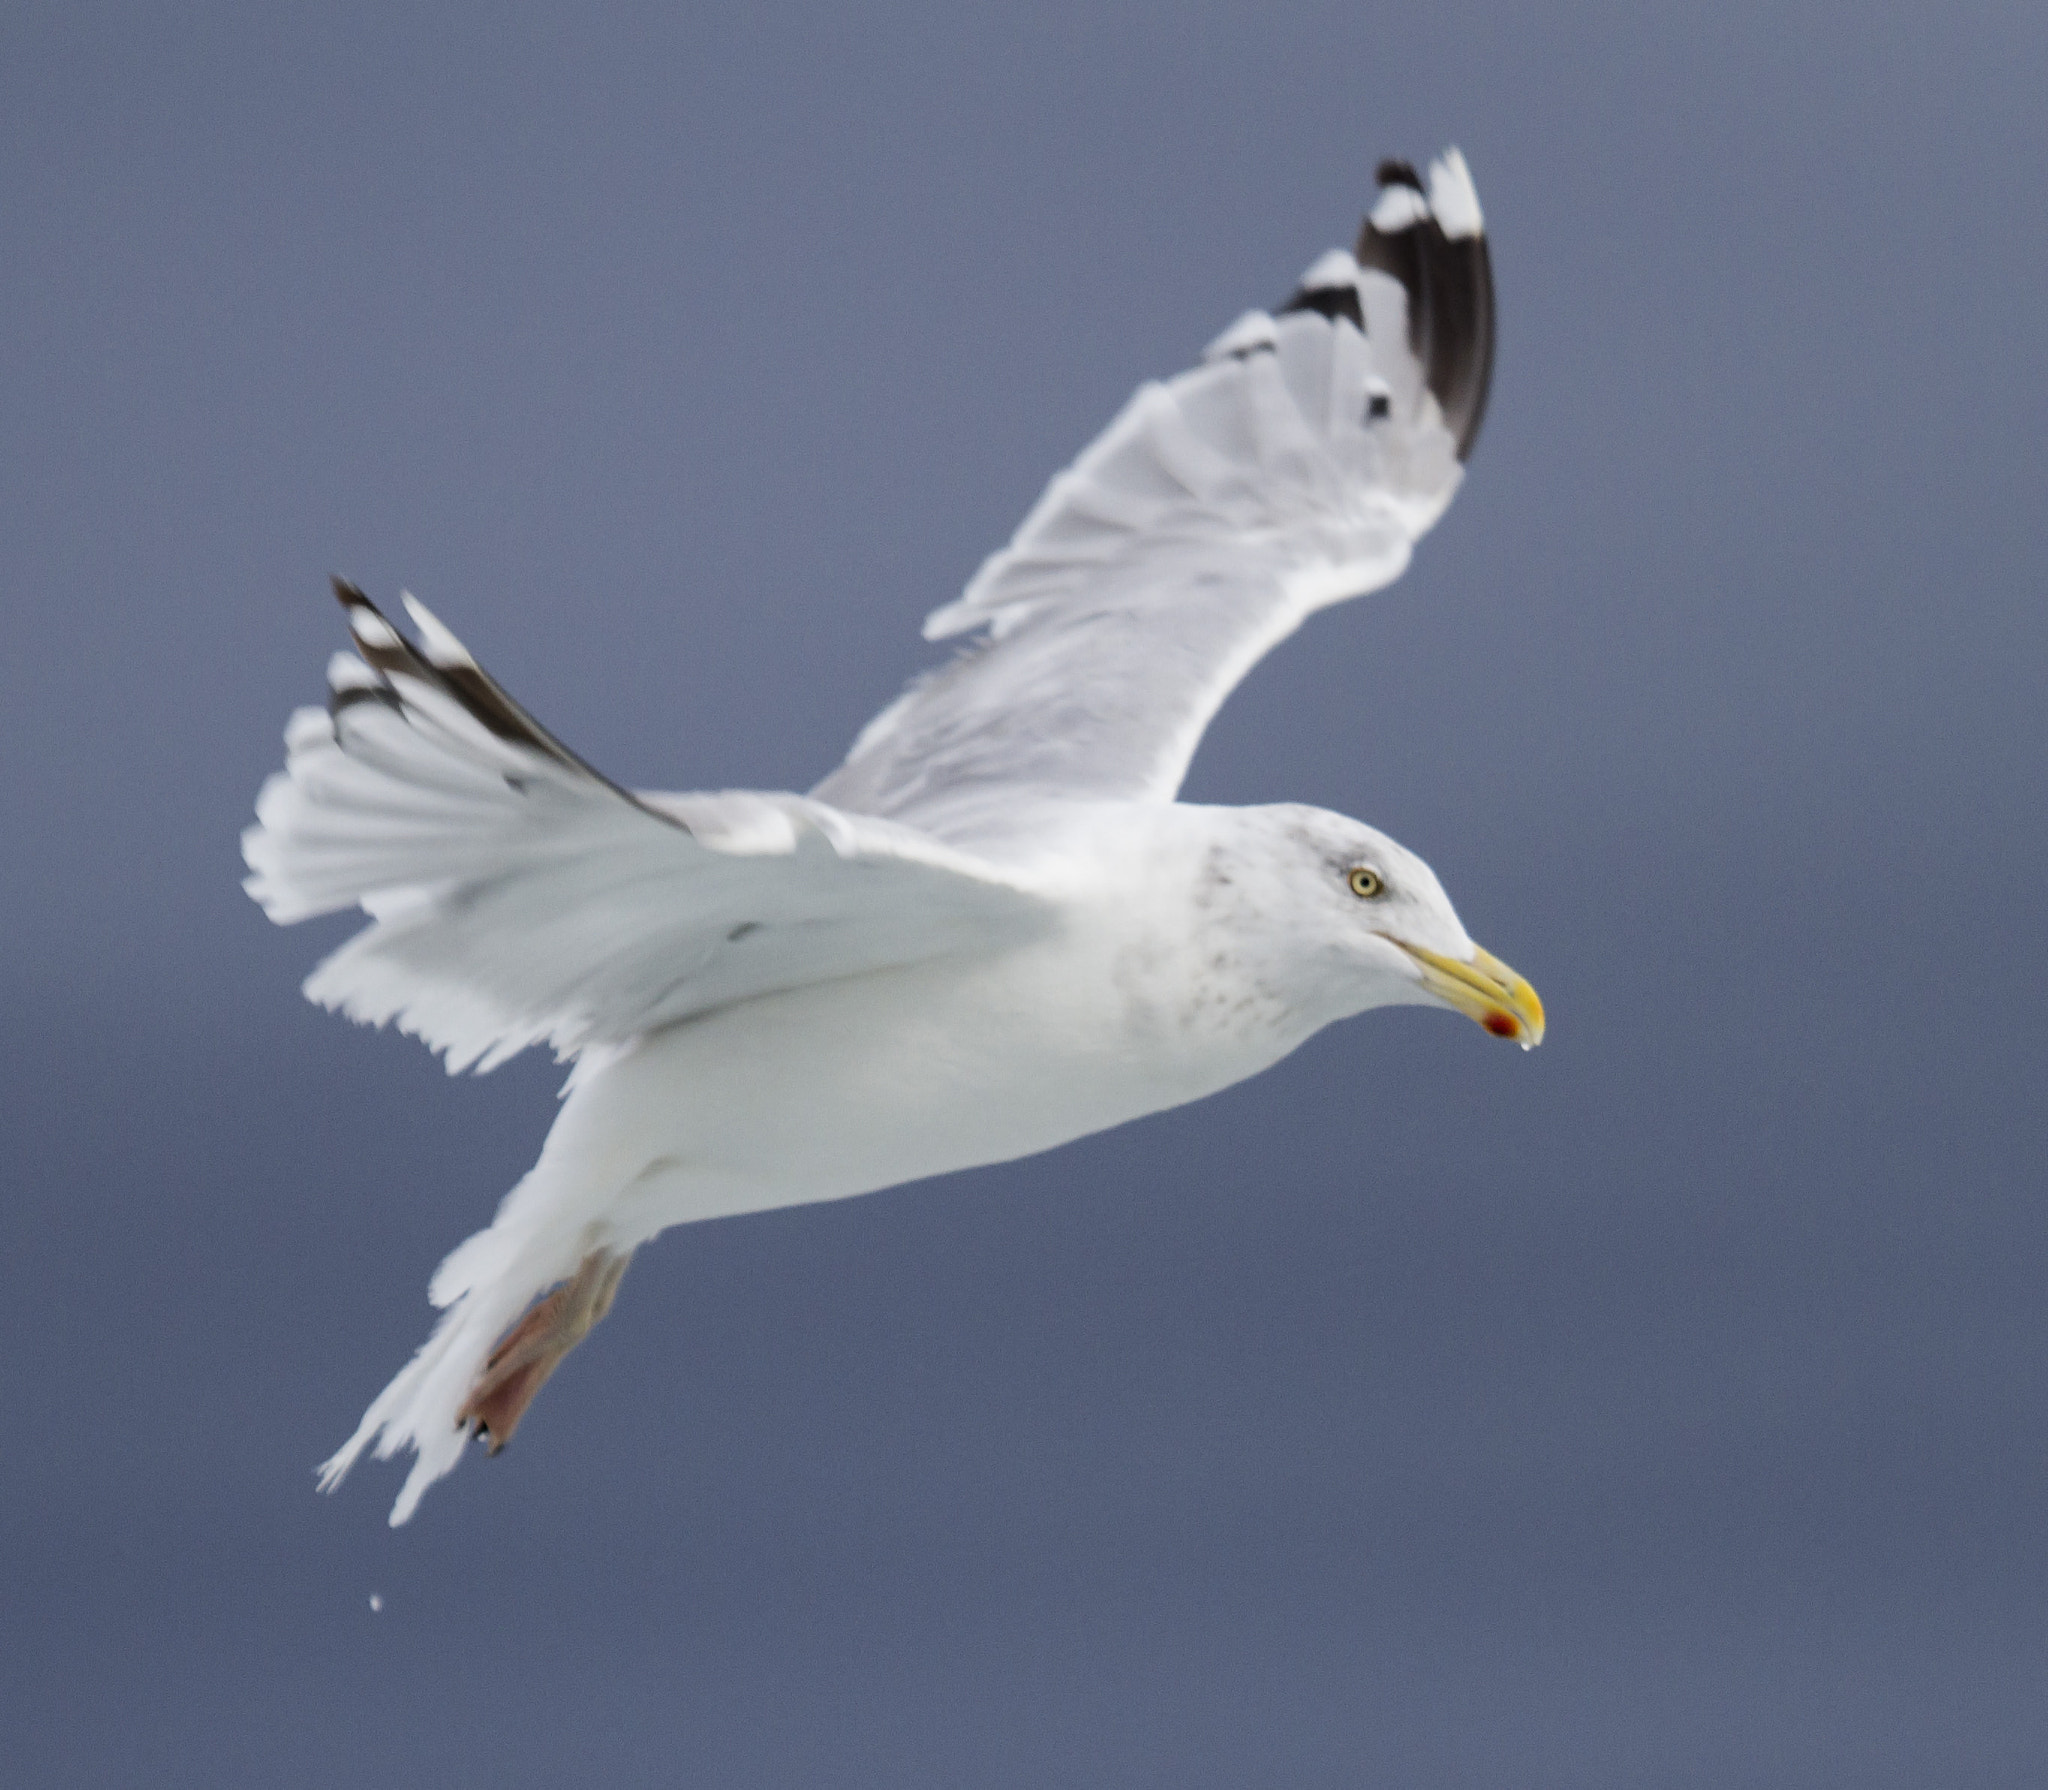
1296, 466
517, 896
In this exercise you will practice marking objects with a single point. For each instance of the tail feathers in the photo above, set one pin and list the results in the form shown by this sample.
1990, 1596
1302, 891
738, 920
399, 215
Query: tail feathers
475, 1262
421, 1408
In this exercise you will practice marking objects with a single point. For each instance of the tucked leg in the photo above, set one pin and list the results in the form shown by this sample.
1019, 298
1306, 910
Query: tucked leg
533, 1348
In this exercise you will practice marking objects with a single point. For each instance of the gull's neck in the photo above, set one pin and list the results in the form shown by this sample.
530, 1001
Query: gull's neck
1191, 909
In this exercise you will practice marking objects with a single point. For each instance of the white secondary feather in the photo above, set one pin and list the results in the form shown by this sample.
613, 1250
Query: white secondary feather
1296, 468
993, 928
519, 898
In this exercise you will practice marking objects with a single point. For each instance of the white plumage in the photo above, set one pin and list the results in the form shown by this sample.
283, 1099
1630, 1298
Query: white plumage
519, 898
989, 931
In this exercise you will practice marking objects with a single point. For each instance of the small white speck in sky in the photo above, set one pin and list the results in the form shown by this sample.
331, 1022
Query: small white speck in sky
376, 1600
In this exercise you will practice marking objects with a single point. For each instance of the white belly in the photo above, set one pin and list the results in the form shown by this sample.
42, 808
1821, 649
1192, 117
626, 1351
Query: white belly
850, 1086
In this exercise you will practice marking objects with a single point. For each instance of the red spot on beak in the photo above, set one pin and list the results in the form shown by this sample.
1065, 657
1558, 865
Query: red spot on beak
1502, 1025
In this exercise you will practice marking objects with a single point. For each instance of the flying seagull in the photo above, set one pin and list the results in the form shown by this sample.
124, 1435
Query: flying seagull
993, 928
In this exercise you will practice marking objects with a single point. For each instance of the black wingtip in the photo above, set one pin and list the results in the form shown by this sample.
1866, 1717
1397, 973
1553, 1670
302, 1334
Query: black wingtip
1332, 302
387, 651
380, 646
1449, 281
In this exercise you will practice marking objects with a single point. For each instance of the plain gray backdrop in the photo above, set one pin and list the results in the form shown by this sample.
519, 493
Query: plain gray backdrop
1662, 1408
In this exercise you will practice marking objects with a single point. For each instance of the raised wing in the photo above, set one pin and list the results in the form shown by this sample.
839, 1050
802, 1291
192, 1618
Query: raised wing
1296, 467
517, 896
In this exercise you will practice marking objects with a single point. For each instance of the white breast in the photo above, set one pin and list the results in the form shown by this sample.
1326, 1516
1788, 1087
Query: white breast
846, 1087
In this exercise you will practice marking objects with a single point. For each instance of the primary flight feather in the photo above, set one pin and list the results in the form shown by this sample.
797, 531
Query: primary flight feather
993, 928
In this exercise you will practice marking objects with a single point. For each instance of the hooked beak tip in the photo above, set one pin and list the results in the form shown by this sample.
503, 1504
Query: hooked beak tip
1484, 989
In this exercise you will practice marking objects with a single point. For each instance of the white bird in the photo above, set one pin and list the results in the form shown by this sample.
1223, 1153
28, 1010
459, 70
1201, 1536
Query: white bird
993, 928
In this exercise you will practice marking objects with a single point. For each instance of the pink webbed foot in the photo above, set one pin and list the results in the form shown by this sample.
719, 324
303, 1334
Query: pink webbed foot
535, 1346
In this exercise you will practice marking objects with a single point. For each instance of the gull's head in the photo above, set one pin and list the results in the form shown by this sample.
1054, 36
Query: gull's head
1360, 921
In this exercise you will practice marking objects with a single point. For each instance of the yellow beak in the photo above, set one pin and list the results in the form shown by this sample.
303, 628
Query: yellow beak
1485, 989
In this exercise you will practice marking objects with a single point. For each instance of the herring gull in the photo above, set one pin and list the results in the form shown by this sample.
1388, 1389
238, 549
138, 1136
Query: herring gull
993, 929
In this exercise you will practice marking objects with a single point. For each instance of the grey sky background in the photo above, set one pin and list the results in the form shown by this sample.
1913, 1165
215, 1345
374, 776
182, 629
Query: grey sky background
1663, 1408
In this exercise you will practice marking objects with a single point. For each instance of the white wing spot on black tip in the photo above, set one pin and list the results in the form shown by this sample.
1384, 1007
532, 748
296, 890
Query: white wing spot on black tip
1449, 282
340, 700
1332, 302
385, 650
389, 650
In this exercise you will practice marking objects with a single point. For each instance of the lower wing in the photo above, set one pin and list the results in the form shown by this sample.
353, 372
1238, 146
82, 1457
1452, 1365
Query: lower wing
517, 896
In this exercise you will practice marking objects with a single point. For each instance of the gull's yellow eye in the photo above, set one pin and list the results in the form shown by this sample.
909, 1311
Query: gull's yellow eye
1365, 884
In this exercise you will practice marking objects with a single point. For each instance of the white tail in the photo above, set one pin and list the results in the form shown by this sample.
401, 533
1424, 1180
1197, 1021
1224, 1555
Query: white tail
485, 1283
